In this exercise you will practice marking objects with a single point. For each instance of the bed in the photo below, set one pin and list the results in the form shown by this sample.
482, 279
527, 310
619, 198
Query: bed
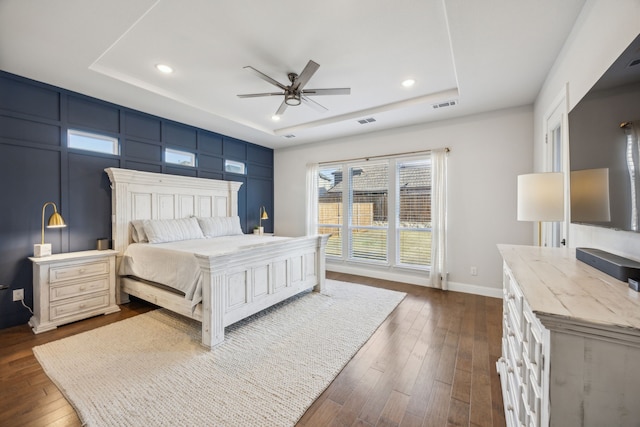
237, 280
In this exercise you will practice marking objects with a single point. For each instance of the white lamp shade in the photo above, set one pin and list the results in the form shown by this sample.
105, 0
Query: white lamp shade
541, 197
590, 195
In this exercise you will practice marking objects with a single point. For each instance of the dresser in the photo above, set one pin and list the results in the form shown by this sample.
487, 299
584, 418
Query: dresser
72, 286
571, 342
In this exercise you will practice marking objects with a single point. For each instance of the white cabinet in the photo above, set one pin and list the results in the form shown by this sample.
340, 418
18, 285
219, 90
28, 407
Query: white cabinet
521, 367
72, 286
571, 342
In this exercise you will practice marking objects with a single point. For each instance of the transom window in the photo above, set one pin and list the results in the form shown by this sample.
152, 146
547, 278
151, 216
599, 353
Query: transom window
235, 167
92, 142
178, 157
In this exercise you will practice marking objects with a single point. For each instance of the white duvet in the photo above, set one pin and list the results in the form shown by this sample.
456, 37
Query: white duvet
175, 265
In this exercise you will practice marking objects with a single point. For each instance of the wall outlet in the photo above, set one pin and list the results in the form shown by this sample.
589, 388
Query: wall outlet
474, 270
18, 294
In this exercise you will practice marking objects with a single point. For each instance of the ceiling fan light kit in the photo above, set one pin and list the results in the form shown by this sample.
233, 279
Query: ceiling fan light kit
295, 94
292, 99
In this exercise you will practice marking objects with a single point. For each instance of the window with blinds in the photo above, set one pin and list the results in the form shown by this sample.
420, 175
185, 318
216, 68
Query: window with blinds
368, 211
383, 208
413, 212
330, 216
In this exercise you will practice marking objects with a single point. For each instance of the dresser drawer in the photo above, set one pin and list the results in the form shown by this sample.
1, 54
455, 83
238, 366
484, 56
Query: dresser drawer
77, 289
514, 299
78, 271
78, 306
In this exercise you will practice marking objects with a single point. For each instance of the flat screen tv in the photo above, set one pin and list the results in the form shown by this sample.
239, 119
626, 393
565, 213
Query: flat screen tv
604, 130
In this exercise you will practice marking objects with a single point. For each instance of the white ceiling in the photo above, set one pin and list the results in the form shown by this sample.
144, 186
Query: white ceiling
485, 54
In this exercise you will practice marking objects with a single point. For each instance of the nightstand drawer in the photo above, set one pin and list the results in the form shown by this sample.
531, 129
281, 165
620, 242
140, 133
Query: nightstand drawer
76, 289
79, 306
76, 271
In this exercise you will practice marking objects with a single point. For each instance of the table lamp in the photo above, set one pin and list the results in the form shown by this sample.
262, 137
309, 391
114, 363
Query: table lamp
55, 221
541, 198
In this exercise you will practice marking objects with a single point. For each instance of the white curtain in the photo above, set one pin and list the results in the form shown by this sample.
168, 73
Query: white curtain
312, 199
439, 275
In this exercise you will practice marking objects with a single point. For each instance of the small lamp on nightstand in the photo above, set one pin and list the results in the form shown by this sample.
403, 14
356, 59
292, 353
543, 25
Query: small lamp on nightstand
263, 215
55, 221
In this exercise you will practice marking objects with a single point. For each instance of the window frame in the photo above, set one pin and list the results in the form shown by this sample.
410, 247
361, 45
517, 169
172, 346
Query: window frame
229, 162
115, 141
394, 226
175, 151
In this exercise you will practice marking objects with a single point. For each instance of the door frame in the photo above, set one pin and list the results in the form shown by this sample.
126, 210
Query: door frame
558, 115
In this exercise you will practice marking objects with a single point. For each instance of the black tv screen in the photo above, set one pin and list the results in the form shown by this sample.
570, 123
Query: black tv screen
604, 130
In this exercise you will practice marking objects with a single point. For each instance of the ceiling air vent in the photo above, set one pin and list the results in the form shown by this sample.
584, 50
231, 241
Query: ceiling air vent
445, 104
290, 136
365, 121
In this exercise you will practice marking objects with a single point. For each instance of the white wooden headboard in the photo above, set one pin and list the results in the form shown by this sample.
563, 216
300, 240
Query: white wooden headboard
147, 195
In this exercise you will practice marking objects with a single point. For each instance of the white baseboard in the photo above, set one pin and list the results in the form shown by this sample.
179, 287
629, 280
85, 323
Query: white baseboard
476, 289
418, 278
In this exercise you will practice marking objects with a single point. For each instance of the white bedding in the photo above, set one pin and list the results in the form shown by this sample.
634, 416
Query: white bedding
174, 264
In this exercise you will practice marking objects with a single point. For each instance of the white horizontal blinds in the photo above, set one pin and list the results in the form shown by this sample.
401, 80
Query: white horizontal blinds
413, 212
330, 214
368, 211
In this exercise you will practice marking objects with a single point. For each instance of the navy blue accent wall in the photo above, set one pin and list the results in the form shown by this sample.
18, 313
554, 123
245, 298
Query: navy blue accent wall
37, 167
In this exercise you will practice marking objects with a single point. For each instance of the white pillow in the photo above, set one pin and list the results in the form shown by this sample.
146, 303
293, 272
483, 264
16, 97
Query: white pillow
172, 230
220, 226
137, 231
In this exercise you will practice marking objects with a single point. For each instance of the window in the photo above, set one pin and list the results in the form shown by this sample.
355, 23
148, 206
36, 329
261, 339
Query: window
413, 212
368, 211
330, 214
92, 142
235, 167
386, 215
177, 157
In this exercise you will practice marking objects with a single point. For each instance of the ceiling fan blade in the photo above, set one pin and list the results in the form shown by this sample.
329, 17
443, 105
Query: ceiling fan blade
255, 95
283, 107
313, 104
305, 75
264, 77
333, 91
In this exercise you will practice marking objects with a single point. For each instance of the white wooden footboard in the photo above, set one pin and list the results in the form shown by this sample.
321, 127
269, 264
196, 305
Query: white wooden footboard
241, 283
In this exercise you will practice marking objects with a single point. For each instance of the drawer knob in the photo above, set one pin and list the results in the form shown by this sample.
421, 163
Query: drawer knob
510, 408
512, 295
81, 270
519, 363
83, 305
82, 288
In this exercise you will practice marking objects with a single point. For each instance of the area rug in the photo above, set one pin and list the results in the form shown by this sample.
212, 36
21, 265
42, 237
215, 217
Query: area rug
151, 370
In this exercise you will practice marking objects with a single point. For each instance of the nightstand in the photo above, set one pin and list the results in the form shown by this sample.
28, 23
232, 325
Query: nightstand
72, 286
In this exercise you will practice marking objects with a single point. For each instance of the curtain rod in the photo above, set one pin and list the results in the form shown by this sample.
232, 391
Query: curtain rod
446, 149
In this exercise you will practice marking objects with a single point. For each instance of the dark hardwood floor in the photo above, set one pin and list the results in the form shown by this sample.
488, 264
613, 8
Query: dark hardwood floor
431, 363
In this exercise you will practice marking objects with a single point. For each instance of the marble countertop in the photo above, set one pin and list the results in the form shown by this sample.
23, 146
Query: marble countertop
556, 285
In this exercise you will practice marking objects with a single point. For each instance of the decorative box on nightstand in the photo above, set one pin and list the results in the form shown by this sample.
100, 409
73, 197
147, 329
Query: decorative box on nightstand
72, 286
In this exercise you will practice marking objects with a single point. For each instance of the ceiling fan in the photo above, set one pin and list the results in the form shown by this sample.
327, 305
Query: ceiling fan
294, 93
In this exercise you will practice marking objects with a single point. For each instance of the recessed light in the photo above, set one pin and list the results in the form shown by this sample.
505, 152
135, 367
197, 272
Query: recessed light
408, 83
275, 118
163, 68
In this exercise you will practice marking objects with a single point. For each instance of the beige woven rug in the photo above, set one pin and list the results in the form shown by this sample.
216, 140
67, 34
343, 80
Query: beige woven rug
150, 370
